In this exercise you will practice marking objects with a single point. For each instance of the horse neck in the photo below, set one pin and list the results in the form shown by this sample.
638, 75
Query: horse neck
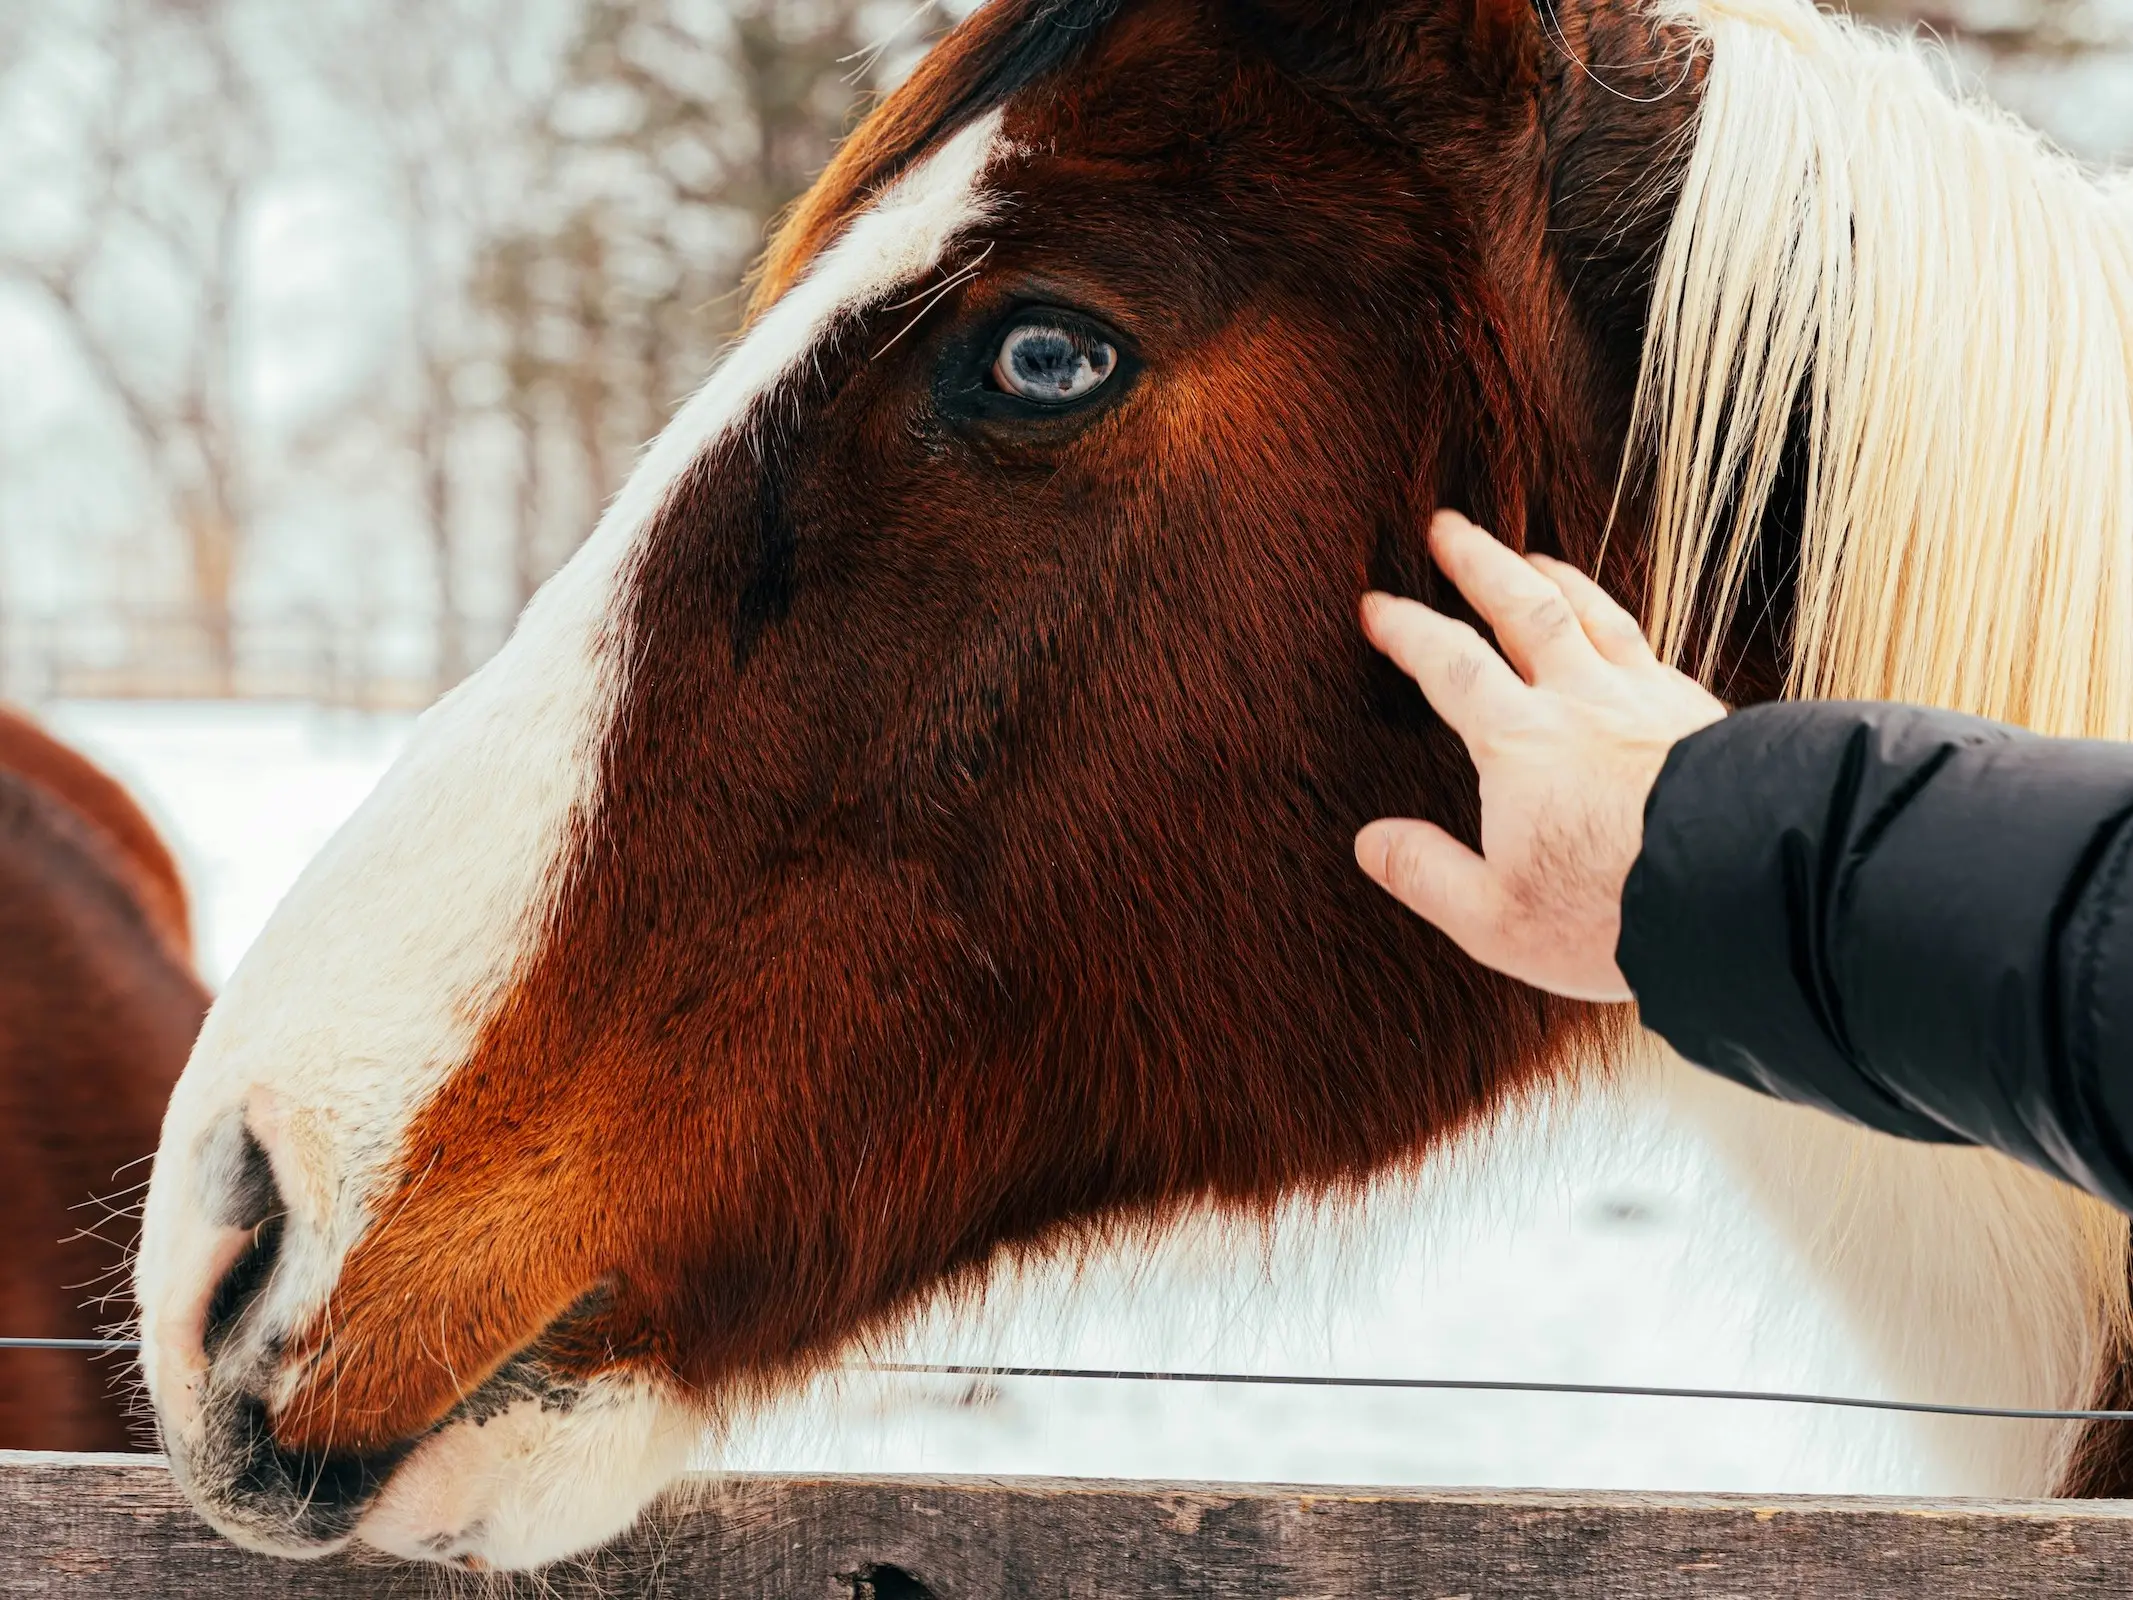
1923, 317
92, 796
100, 1011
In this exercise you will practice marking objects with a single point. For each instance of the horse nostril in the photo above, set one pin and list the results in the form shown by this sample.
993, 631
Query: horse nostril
250, 1195
241, 1285
254, 1202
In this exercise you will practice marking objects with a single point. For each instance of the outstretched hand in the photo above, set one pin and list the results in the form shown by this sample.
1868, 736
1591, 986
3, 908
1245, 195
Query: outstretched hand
1568, 746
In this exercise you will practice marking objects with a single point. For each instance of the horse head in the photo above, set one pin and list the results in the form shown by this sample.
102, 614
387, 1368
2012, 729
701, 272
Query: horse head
914, 829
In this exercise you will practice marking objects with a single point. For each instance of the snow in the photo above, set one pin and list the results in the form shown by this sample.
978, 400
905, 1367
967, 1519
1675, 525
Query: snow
244, 792
1602, 1249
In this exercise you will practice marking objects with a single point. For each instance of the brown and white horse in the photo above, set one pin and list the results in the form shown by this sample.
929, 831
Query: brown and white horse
98, 1007
913, 833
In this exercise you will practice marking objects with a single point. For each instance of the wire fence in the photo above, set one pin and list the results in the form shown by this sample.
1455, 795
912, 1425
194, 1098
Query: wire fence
1632, 1391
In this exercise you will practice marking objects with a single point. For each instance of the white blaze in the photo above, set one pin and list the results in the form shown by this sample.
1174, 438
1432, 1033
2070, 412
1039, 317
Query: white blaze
375, 975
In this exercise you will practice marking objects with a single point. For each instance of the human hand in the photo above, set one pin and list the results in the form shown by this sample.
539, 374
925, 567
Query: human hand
1568, 747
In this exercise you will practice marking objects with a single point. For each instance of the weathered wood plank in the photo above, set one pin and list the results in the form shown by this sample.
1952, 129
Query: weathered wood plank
112, 1526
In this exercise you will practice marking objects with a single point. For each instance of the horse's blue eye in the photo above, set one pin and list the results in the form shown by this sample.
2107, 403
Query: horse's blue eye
1051, 365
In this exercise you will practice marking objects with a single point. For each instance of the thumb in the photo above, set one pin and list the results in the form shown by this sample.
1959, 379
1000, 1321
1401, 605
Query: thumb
1434, 876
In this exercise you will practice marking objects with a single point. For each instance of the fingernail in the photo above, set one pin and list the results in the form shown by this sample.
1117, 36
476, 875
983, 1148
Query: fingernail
1370, 852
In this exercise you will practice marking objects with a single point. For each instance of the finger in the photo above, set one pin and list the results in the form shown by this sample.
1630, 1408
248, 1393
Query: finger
1436, 877
1467, 682
1612, 630
1531, 616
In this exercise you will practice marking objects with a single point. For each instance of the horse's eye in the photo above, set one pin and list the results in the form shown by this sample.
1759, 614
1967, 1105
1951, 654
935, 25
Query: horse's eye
1051, 365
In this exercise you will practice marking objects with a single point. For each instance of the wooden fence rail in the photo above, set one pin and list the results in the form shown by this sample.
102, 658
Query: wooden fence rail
112, 1527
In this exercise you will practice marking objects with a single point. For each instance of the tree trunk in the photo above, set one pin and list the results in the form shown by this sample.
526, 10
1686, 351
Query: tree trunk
528, 569
211, 549
451, 658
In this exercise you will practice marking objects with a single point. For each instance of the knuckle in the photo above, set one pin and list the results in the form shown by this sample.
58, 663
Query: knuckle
1407, 865
1549, 615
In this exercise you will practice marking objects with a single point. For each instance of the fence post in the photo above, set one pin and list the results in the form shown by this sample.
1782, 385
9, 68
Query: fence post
114, 1526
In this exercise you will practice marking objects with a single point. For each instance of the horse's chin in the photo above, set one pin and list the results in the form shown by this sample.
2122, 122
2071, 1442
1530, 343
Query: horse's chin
534, 1483
500, 1487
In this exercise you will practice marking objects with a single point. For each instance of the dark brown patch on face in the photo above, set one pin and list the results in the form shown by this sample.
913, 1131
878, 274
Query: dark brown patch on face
972, 862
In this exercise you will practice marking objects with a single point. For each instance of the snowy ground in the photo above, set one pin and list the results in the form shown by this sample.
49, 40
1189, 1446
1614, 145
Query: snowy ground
1616, 1253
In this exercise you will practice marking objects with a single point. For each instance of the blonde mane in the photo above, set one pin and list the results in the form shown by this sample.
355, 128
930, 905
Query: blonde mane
1944, 306
1940, 307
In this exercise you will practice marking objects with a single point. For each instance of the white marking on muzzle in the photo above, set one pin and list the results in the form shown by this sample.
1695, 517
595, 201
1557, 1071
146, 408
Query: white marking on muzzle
373, 979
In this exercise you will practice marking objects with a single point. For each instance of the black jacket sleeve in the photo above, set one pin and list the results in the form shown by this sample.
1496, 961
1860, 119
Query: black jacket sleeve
1917, 920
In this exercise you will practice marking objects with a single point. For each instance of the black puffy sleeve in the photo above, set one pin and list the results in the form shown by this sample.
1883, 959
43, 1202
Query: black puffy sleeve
1917, 920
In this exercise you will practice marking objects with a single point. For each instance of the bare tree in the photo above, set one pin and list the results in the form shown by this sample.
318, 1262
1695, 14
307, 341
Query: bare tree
572, 190
674, 134
171, 154
577, 190
438, 88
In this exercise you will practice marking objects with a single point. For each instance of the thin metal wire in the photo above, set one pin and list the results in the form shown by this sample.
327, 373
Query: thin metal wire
104, 1345
1634, 1391
1512, 1386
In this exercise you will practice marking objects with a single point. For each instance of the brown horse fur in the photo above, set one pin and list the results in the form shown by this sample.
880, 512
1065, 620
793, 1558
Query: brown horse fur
98, 1007
969, 871
972, 858
27, 751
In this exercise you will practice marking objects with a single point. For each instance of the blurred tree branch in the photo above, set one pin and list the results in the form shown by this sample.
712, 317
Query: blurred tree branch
575, 230
172, 154
435, 88
674, 135
549, 208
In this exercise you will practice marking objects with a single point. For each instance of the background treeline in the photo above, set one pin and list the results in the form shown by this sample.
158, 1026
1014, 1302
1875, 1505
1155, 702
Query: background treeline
328, 328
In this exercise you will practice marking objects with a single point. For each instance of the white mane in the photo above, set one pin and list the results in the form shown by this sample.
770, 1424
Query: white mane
1948, 305
1942, 305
